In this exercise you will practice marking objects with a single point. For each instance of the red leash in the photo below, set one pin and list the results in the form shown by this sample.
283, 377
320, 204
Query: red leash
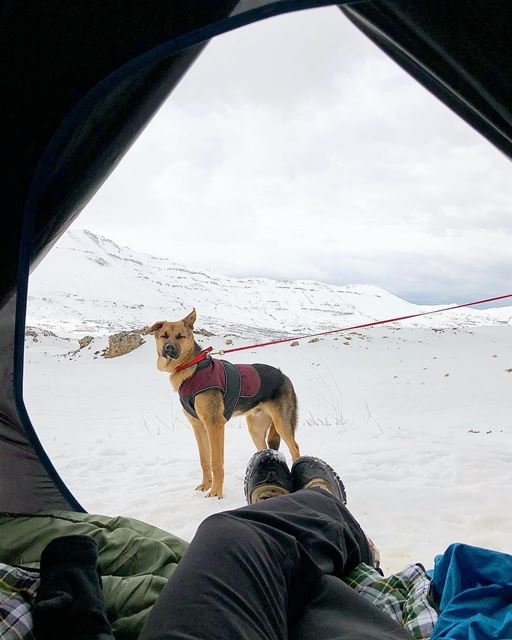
205, 352
200, 356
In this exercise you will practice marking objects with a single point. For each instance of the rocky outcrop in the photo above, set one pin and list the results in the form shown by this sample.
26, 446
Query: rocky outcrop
204, 332
32, 332
122, 343
145, 331
85, 341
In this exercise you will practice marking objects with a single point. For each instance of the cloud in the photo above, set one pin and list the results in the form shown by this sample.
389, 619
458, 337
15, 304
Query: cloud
294, 148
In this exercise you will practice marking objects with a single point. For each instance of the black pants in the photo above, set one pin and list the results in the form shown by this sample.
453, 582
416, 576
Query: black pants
271, 571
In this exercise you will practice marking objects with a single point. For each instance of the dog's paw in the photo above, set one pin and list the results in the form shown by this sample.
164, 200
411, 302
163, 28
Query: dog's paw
204, 486
214, 493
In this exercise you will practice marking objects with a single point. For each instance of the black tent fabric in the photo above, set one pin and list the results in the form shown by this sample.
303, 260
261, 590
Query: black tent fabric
81, 80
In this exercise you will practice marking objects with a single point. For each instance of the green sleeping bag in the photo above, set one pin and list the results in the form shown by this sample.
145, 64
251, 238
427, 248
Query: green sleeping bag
135, 558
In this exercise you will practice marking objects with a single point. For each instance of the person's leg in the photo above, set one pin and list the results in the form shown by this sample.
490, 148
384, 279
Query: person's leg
337, 611
257, 572
249, 573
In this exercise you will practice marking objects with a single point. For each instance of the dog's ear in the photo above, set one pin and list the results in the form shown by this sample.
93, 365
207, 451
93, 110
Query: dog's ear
156, 326
190, 319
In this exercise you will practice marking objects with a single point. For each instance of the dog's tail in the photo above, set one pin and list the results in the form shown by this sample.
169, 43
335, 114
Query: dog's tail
273, 438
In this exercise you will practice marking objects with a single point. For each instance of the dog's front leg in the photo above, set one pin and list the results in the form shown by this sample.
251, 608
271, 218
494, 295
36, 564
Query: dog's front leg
215, 432
210, 409
204, 452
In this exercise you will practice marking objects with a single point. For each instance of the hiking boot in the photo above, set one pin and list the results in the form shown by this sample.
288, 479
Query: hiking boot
267, 476
309, 472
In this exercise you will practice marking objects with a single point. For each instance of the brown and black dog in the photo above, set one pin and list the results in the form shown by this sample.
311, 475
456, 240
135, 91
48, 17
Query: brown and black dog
213, 390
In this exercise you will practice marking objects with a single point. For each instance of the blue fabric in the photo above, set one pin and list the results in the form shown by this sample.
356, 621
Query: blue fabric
473, 589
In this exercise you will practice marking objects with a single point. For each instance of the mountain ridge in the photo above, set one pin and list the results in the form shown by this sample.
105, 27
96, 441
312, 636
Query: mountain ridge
89, 284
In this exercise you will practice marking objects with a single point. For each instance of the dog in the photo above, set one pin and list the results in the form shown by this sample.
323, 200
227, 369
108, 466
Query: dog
213, 390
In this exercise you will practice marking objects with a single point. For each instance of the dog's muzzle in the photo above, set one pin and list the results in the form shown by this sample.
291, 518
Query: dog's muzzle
170, 351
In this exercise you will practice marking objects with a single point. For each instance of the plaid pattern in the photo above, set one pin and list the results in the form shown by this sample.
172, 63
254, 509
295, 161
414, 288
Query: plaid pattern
404, 596
17, 593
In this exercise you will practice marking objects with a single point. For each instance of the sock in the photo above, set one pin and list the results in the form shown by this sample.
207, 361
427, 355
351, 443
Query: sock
69, 601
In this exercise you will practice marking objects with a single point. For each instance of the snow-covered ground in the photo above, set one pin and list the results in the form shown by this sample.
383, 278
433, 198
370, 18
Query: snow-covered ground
415, 417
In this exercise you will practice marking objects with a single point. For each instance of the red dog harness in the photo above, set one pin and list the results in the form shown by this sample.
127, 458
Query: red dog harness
235, 381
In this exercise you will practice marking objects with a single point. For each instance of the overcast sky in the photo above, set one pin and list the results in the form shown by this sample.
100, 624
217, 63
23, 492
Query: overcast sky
295, 149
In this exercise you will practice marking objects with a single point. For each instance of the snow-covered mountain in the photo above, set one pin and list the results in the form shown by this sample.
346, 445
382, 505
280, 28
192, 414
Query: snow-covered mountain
90, 285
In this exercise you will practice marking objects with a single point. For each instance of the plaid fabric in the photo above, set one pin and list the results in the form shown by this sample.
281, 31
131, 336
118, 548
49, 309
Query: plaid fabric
17, 593
404, 596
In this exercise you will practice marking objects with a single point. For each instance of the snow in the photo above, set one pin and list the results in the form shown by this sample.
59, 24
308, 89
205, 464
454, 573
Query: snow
415, 417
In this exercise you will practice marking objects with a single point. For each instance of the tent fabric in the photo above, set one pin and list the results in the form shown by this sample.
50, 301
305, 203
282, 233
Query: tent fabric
82, 79
61, 146
457, 50
473, 587
135, 558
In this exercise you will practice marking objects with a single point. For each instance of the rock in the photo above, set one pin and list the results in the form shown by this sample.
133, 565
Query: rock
204, 332
122, 343
229, 341
314, 340
34, 334
85, 341
294, 344
30, 332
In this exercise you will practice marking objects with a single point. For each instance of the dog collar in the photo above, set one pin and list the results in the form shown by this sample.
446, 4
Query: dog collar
202, 355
